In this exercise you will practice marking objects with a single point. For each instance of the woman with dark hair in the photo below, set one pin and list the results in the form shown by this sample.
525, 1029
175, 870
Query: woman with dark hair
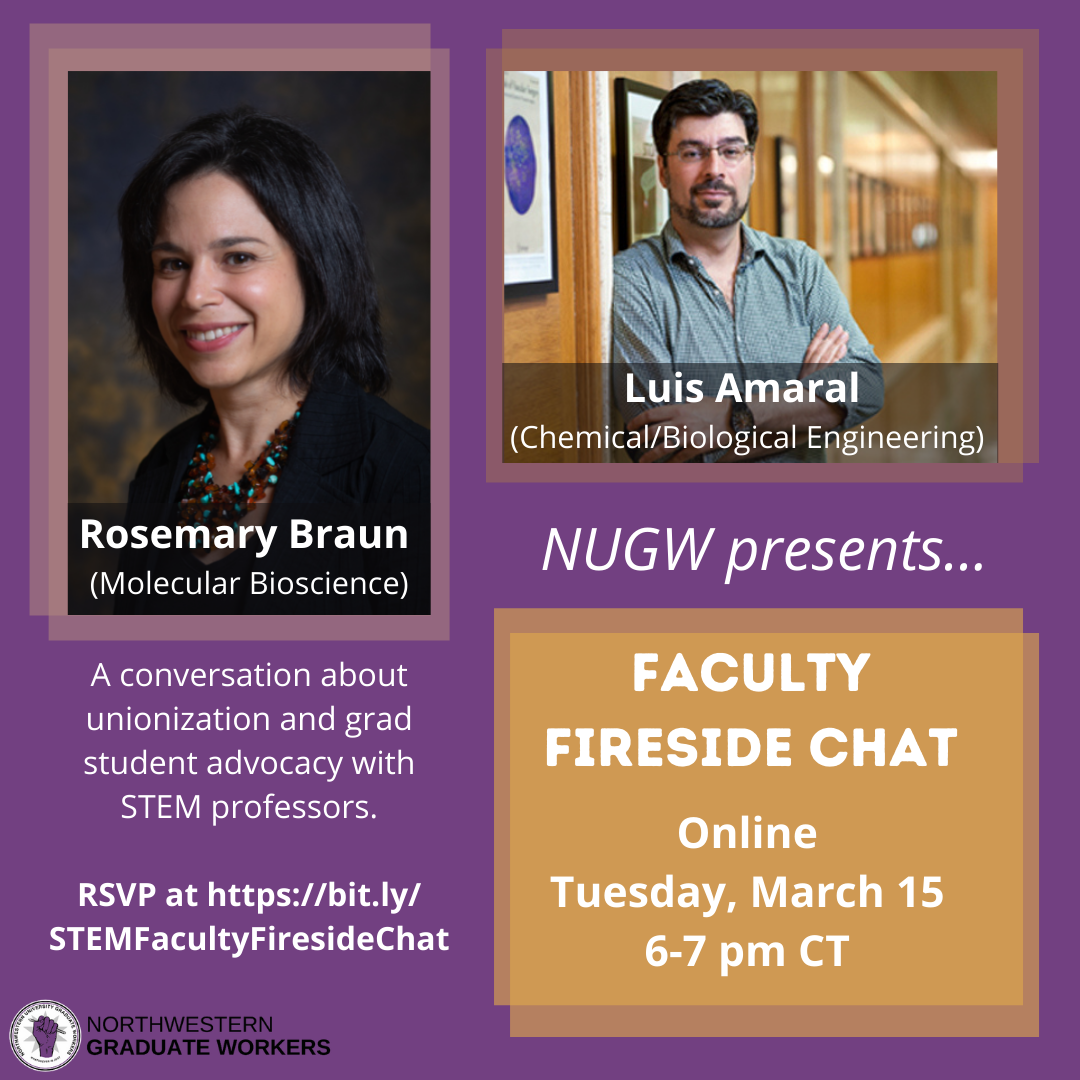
249, 287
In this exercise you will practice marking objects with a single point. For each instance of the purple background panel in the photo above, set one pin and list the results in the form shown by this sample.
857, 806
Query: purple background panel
422, 1015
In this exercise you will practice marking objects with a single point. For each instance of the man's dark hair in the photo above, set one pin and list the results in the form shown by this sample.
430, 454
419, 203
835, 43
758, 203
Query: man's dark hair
301, 192
702, 97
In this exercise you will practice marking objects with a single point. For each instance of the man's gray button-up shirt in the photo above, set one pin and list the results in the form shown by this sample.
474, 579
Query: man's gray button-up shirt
668, 315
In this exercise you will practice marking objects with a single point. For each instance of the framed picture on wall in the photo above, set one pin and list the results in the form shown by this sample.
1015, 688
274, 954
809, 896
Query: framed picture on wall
530, 258
880, 216
854, 217
787, 188
866, 215
826, 222
642, 201
908, 219
890, 218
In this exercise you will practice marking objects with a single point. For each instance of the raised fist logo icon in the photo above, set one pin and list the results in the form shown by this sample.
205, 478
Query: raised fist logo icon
45, 1033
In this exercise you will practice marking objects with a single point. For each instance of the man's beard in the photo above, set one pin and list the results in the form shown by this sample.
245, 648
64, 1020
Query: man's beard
713, 218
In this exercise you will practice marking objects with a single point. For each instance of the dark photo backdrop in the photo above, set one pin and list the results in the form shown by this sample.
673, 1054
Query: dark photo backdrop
376, 128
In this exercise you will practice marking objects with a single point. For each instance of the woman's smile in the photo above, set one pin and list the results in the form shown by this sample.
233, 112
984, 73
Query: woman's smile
204, 338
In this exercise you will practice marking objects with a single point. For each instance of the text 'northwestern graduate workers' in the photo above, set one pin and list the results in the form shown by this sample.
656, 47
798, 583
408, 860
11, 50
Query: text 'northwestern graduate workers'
248, 284
739, 339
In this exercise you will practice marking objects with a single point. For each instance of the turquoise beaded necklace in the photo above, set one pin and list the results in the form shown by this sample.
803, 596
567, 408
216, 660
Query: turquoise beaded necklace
202, 502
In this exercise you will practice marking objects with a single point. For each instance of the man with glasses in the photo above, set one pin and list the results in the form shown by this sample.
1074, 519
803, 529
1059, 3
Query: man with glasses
711, 304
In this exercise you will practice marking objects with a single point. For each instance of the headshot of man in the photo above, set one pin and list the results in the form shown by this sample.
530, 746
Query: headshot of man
710, 304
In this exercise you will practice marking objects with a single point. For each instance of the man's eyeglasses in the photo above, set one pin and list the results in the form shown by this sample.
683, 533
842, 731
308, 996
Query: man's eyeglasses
694, 154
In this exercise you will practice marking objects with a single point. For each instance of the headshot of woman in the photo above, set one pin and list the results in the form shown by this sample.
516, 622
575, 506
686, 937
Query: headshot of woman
249, 289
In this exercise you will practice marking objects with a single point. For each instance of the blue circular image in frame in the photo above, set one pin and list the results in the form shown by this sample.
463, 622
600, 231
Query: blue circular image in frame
520, 165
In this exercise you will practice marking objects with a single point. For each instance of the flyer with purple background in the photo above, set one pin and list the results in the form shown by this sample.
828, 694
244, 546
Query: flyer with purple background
730, 768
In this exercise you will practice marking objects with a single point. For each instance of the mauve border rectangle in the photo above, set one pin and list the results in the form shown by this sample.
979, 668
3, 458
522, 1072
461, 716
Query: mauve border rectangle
55, 50
1014, 54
